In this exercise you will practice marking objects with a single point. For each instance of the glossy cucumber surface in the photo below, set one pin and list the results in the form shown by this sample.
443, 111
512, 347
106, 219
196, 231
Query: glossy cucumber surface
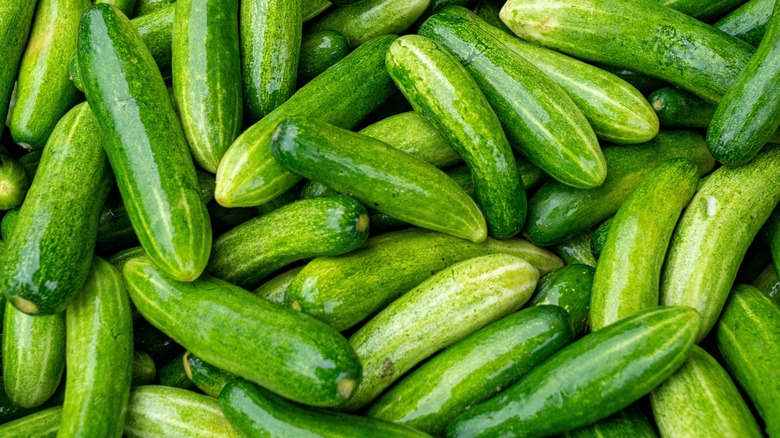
748, 22
208, 378
319, 51
275, 289
630, 422
704, 11
14, 181
570, 288
43, 424
367, 19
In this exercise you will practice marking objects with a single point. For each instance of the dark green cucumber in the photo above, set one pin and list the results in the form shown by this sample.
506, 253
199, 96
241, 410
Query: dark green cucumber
319, 51
270, 45
489, 10
325, 288
144, 142
746, 336
568, 287
390, 181
126, 6
49, 255
8, 224
208, 378
600, 237
628, 275
249, 175
576, 250
144, 369
43, 424
257, 412
15, 22
207, 77
645, 84
224, 219
99, 355
590, 379
286, 351
474, 369
159, 345
748, 22
714, 233
433, 80
30, 162
701, 400
274, 289
643, 36
531, 176
458, 301
704, 11
173, 374
539, 118
248, 253
630, 422
557, 212
437, 5
371, 18
14, 182
768, 283
119, 259
680, 109
146, 7
313, 8
9, 411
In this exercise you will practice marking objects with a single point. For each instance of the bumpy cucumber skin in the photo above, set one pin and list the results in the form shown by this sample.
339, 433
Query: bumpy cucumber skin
531, 176
588, 380
630, 422
440, 88
600, 237
577, 250
99, 355
8, 224
144, 369
313, 8
557, 212
645, 36
628, 275
30, 162
146, 7
679, 108
43, 424
14, 182
235, 330
539, 118
14, 28
10, 411
748, 22
249, 175
645, 84
568, 287
145, 144
474, 369
319, 51
704, 11
701, 400
368, 19
714, 233
208, 378
274, 290
48, 259
126, 6
747, 337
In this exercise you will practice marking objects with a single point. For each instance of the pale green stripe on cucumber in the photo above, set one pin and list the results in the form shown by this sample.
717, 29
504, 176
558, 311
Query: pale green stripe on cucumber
15, 21
630, 422
748, 22
367, 19
14, 182
568, 287
43, 424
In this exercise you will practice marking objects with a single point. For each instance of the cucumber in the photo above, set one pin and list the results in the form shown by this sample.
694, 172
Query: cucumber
249, 175
746, 336
630, 422
458, 301
325, 288
224, 219
628, 274
568, 287
588, 380
577, 250
10, 411
49, 255
43, 424
126, 6
768, 283
311, 363
207, 77
701, 400
600, 237
378, 175
270, 45
645, 84
146, 146
257, 412
715, 232
144, 370
748, 22
371, 18
15, 22
539, 118
157, 411
437, 5
99, 355
274, 289
643, 36
431, 79
146, 7
159, 345
319, 51
557, 212
8, 224
208, 378
531, 176
488, 11
679, 108
704, 11
119, 259
30, 162
474, 369
313, 8
13, 181
173, 374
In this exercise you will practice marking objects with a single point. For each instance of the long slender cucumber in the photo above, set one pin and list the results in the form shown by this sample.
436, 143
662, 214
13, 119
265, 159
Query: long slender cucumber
367, 19
43, 424
15, 22
748, 22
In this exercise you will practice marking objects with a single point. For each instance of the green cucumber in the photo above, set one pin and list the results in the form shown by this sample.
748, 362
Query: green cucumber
568, 287
173, 374
630, 422
274, 289
208, 378
643, 36
146, 7
577, 250
15, 22
8, 224
489, 10
287, 352
119, 259
539, 118
432, 79
557, 212
747, 337
319, 51
701, 400
474, 369
249, 175
30, 162
160, 411
748, 22
14, 182
437, 5
144, 142
531, 176
389, 180
146, 337
371, 18
49, 255
224, 219
207, 77
313, 8
715, 232
588, 380
704, 11
99, 355
645, 84
10, 411
629, 271
768, 283
600, 237
325, 288
681, 109
257, 412
43, 424
126, 6
144, 370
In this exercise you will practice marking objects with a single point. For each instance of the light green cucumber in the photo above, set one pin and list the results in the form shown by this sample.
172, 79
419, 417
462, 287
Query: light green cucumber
319, 51
568, 287
146, 7
577, 250
43, 424
144, 369
15, 22
367, 19
208, 378
599, 237
748, 22
274, 289
14, 182
630, 422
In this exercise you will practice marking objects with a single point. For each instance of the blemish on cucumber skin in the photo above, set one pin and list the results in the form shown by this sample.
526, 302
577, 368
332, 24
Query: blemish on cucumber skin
712, 205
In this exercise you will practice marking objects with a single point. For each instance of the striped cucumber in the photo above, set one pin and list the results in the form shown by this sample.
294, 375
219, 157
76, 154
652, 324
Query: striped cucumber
645, 84
14, 182
600, 237
748, 22
630, 422
15, 22
319, 51
126, 6
367, 19
274, 290
208, 378
568, 287
43, 424
10, 411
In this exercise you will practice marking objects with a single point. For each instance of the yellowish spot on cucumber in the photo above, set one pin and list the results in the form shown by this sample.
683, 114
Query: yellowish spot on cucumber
657, 104
363, 222
345, 387
187, 369
295, 305
25, 306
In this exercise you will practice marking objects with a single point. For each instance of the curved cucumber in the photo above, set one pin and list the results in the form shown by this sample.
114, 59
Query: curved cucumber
144, 370
319, 51
630, 422
14, 182
568, 287
600, 237
274, 290
371, 18
577, 250
43, 424
748, 22
15, 22
9, 411
208, 378
704, 11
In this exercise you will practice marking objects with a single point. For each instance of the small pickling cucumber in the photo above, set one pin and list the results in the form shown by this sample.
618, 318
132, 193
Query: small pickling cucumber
367, 19
15, 21
174, 375
14, 182
678, 108
748, 22
568, 287
208, 378
274, 289
43, 424
577, 250
600, 237
531, 176
8, 224
704, 11
313, 8
144, 369
630, 422
319, 51
768, 283
146, 7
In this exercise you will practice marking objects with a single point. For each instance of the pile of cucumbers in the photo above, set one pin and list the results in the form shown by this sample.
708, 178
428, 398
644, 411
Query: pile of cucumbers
390, 218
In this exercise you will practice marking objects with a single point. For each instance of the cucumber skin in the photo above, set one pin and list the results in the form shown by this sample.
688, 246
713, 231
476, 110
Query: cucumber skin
679, 108
99, 356
319, 51
768, 283
704, 11
389, 180
14, 28
249, 175
144, 143
665, 44
570, 288
628, 275
146, 7
208, 378
539, 118
630, 422
645, 84
274, 290
474, 369
126, 6
714, 233
144, 371
701, 400
371, 18
577, 250
42, 424
313, 8
432, 79
8, 223
10, 411
600, 237
578, 385
48, 259
234, 330
746, 336
557, 212
174, 375
14, 182
748, 22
